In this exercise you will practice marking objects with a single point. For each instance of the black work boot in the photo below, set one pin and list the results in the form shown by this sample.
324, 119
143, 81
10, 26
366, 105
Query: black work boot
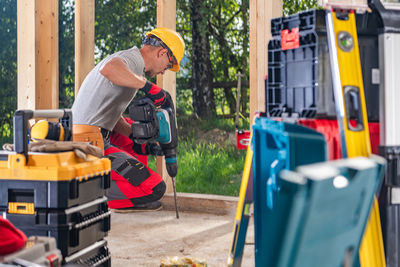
151, 206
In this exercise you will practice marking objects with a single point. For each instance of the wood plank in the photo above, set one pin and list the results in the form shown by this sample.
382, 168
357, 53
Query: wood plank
166, 17
37, 26
47, 97
84, 40
26, 53
261, 13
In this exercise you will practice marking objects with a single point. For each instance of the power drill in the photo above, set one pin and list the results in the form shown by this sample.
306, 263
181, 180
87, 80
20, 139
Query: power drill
152, 125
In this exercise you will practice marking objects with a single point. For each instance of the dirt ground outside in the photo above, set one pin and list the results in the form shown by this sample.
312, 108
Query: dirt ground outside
142, 239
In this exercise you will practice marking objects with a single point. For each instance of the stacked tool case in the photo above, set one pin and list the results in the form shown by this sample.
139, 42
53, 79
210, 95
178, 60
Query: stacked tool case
299, 81
330, 130
57, 194
389, 205
389, 58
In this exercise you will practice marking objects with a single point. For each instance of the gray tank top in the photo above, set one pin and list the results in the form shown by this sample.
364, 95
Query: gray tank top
99, 101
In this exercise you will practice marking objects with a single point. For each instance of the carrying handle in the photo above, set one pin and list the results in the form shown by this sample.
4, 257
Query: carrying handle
21, 118
354, 112
290, 39
92, 220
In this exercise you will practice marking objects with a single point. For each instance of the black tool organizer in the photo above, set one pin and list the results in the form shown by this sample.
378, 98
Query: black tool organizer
299, 82
389, 204
74, 228
72, 208
96, 254
54, 194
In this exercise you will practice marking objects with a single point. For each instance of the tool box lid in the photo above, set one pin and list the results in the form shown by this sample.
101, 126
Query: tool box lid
60, 166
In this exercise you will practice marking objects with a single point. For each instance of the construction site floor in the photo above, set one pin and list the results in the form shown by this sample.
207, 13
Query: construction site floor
144, 238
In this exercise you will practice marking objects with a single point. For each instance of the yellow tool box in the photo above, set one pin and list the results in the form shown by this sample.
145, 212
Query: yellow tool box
31, 180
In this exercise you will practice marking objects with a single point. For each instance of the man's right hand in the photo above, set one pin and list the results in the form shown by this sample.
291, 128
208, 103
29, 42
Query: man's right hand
147, 148
155, 93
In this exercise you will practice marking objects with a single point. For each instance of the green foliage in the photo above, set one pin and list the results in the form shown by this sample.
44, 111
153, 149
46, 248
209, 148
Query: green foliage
230, 38
294, 6
207, 168
184, 102
228, 24
66, 44
121, 24
8, 67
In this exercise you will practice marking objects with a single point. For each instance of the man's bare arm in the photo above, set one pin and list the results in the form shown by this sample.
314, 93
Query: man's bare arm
117, 71
122, 127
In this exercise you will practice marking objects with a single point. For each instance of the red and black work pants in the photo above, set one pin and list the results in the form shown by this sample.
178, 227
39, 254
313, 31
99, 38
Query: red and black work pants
132, 182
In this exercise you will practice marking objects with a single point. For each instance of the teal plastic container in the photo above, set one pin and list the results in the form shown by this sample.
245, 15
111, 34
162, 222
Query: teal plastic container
277, 146
320, 213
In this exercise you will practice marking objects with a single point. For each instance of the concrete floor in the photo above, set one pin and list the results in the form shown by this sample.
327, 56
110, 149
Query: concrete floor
143, 238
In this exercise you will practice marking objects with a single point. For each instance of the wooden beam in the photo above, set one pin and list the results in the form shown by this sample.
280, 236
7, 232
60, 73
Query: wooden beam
261, 13
166, 17
37, 54
84, 40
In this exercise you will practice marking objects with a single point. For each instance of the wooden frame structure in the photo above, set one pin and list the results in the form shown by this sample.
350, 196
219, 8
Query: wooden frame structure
38, 48
37, 56
261, 13
38, 51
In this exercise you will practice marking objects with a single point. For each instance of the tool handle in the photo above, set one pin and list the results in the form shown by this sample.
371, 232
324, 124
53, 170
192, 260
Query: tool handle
354, 113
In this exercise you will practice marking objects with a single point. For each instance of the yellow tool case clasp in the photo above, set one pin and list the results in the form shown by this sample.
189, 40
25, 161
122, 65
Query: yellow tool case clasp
21, 208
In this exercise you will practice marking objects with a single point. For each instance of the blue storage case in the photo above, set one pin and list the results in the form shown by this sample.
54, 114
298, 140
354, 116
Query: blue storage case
278, 145
320, 213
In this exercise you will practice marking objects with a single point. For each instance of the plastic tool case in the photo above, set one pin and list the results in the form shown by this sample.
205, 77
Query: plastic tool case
329, 128
389, 204
96, 254
47, 180
299, 81
54, 194
74, 228
321, 213
277, 146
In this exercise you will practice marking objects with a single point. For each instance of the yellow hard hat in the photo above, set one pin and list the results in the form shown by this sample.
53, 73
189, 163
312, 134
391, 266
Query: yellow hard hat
173, 41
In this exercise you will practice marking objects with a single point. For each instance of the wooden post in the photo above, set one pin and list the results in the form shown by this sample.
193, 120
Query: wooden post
166, 17
261, 13
37, 57
84, 40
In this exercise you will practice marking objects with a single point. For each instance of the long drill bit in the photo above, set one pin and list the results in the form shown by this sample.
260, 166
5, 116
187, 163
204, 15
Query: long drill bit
175, 199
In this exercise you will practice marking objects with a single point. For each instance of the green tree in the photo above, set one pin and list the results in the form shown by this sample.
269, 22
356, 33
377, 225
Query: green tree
66, 44
229, 26
202, 72
121, 24
294, 6
216, 36
8, 67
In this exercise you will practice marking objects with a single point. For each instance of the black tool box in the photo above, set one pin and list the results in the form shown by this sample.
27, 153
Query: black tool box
96, 254
74, 228
299, 82
53, 194
389, 204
